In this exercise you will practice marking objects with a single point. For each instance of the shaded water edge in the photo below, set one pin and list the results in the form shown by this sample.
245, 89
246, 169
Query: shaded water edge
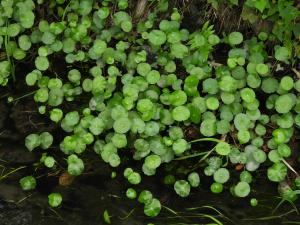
85, 201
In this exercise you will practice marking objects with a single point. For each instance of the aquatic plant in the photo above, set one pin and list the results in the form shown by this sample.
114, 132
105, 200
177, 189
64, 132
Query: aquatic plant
138, 84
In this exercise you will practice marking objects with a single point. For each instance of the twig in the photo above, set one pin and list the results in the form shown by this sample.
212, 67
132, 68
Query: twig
23, 199
289, 166
11, 172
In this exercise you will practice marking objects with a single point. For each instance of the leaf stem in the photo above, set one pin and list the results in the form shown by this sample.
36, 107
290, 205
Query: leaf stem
24, 96
191, 156
206, 139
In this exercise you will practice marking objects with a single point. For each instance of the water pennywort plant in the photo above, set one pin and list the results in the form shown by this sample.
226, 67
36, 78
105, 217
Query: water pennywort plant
140, 84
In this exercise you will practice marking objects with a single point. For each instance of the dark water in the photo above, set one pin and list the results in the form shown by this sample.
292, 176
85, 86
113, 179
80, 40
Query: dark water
93, 193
